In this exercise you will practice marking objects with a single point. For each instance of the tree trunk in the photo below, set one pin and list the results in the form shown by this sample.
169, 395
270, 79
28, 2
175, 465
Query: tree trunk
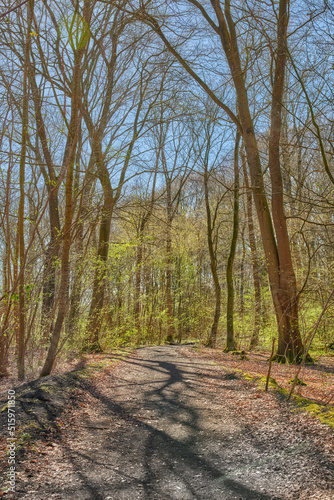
169, 303
290, 345
76, 292
51, 264
6, 306
138, 285
20, 224
53, 249
4, 349
4, 315
69, 161
4, 340
230, 341
211, 342
92, 343
255, 264
277, 250
80, 263
242, 276
180, 324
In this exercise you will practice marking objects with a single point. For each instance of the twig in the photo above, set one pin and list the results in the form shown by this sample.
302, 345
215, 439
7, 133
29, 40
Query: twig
13, 8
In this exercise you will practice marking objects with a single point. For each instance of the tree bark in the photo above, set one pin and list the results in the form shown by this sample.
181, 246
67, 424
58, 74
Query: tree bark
169, 302
211, 341
4, 316
92, 343
255, 264
139, 260
230, 341
290, 345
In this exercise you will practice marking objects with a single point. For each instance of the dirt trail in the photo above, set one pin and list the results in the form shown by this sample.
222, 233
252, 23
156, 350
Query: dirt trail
164, 425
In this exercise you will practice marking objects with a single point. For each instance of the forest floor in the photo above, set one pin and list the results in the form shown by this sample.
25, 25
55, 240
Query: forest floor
168, 422
318, 377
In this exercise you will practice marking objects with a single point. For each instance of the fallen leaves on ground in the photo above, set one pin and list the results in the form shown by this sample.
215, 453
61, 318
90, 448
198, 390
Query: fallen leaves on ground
318, 377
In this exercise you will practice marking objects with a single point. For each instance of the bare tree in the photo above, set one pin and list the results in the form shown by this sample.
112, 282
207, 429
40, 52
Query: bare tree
277, 247
78, 44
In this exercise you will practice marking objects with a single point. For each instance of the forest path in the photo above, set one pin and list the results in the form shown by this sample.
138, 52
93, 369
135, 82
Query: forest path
165, 425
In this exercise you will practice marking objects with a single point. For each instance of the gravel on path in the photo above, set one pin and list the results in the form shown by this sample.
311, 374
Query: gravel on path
166, 425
